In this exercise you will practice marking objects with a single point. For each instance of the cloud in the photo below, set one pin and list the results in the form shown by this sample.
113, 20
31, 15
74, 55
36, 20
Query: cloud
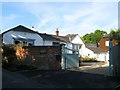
59, 0
92, 9
88, 20
8, 20
78, 18
44, 23
113, 25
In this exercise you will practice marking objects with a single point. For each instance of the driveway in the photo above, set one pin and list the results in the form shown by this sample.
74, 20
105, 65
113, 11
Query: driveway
57, 79
16, 80
93, 67
0, 77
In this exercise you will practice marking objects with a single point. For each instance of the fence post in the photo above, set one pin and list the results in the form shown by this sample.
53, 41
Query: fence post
63, 57
110, 59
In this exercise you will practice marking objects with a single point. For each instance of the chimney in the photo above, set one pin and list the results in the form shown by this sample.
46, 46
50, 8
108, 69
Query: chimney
33, 27
57, 32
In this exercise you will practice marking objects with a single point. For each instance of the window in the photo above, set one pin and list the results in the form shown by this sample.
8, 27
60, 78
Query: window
76, 46
107, 43
16, 41
30, 44
25, 42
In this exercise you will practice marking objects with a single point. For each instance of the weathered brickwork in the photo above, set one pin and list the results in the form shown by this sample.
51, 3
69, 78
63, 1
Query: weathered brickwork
45, 57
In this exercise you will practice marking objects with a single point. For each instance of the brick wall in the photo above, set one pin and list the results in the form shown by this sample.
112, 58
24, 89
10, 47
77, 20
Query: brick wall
45, 57
102, 43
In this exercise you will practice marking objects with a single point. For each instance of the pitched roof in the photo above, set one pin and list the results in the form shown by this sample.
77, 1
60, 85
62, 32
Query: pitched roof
54, 37
71, 36
47, 37
96, 50
106, 36
21, 29
63, 38
90, 45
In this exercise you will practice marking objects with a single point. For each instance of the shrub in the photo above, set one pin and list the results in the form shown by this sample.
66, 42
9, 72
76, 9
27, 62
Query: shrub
88, 59
9, 56
16, 58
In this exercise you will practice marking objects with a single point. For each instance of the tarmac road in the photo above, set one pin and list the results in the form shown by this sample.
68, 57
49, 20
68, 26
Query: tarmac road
57, 79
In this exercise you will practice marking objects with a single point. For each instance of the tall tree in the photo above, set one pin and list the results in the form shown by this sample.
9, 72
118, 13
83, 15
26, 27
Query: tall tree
94, 37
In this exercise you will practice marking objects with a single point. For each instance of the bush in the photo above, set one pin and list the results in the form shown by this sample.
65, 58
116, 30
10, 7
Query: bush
8, 56
15, 58
88, 59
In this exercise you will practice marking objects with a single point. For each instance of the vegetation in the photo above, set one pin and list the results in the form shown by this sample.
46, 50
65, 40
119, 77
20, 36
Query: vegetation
94, 37
114, 34
88, 59
15, 58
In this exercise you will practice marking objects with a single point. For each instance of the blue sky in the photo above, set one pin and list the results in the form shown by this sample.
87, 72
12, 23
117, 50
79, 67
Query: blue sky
69, 17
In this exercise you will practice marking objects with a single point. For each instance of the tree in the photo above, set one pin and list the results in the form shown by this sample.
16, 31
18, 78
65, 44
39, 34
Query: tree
114, 34
94, 37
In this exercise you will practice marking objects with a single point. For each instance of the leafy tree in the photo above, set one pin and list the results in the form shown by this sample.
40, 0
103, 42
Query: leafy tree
94, 37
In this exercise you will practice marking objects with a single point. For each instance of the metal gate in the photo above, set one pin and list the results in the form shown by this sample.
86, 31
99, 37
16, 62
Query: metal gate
114, 64
70, 58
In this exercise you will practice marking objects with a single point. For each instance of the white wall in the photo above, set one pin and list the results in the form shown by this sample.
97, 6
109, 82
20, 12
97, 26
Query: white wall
46, 43
107, 56
77, 40
8, 37
101, 57
69, 45
87, 52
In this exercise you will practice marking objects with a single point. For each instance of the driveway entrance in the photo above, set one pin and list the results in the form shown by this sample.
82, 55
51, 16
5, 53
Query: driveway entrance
93, 67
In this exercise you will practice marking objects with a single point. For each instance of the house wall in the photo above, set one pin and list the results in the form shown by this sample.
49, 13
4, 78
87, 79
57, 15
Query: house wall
107, 56
8, 37
69, 45
101, 57
47, 43
45, 57
104, 43
77, 40
86, 52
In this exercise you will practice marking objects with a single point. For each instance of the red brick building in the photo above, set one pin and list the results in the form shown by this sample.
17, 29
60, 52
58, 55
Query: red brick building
104, 43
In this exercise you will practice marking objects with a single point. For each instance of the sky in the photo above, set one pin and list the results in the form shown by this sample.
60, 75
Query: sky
69, 17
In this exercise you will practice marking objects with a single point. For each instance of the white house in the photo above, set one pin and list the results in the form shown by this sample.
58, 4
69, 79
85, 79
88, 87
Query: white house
21, 34
26, 36
94, 52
